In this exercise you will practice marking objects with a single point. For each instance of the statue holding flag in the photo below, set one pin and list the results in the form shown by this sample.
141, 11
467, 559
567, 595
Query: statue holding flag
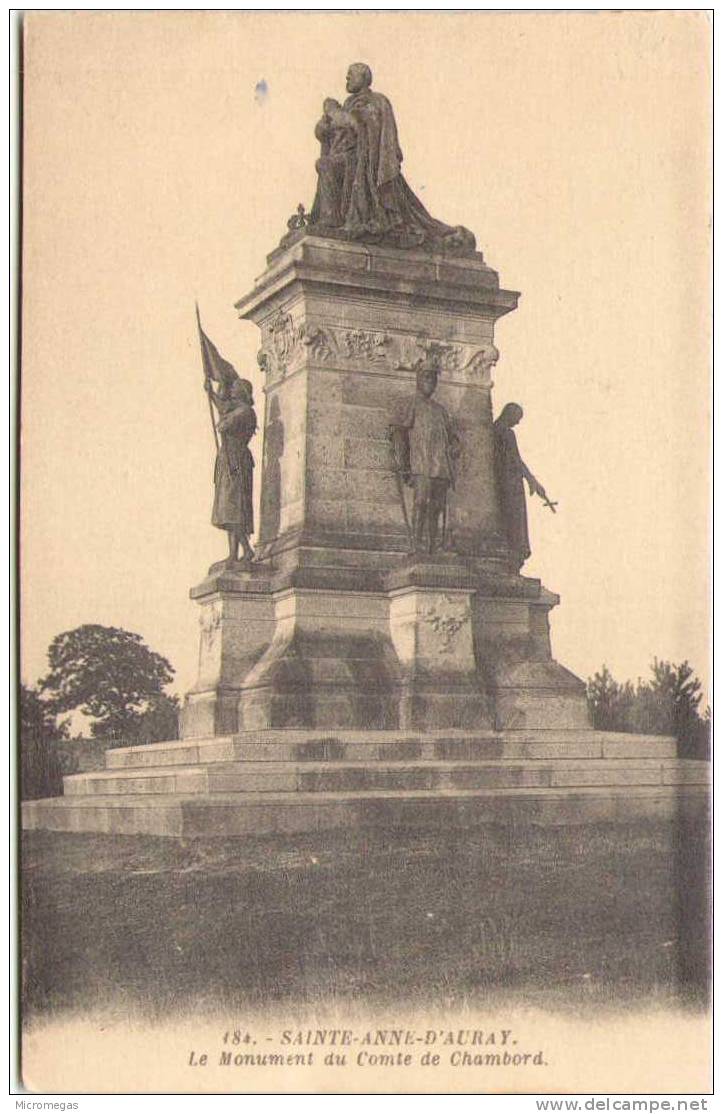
233, 471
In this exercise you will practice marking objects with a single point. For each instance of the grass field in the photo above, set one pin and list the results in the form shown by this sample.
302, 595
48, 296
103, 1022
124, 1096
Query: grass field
603, 913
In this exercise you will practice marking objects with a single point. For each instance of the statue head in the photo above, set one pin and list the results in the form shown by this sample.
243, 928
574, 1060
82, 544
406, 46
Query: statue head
427, 378
358, 77
511, 414
241, 390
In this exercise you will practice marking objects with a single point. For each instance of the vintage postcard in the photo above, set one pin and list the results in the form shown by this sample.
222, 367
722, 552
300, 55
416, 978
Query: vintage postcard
364, 552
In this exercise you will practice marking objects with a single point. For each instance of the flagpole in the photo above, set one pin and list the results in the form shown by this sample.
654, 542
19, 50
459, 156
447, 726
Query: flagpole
207, 377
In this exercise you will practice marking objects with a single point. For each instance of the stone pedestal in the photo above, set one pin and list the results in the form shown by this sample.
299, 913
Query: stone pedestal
342, 326
334, 626
237, 623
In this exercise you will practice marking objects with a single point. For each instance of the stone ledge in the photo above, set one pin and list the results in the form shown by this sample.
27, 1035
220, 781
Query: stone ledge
341, 251
309, 745
465, 282
256, 814
382, 774
387, 571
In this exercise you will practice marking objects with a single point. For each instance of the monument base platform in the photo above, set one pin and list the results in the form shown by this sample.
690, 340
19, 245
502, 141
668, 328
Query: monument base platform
273, 782
430, 644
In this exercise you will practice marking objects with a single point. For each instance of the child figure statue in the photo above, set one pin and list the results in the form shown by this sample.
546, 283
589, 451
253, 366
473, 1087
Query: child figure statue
336, 132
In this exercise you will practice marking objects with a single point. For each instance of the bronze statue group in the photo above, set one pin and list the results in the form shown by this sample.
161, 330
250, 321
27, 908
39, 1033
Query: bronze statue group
425, 450
362, 195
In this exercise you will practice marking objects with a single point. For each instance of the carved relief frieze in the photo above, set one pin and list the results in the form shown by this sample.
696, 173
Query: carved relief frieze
480, 364
353, 345
320, 343
287, 343
358, 344
461, 362
445, 357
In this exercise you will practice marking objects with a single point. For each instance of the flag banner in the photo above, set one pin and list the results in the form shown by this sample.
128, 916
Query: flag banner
214, 365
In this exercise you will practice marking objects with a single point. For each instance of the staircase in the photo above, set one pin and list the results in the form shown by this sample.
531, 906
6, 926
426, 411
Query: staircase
272, 782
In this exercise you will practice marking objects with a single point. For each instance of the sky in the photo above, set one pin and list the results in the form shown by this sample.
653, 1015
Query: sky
163, 154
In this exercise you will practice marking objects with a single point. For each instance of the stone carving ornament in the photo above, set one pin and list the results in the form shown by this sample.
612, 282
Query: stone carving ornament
445, 357
321, 344
286, 343
359, 344
460, 361
481, 363
282, 340
210, 622
447, 617
283, 336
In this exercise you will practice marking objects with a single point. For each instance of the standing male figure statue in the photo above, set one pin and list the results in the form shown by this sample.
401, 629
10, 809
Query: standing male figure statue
425, 450
510, 472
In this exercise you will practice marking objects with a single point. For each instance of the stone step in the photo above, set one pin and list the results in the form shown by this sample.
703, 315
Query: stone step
323, 777
255, 814
309, 746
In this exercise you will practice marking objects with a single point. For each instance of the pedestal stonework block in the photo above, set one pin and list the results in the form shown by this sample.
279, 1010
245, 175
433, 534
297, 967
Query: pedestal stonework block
330, 663
237, 623
335, 626
528, 688
432, 635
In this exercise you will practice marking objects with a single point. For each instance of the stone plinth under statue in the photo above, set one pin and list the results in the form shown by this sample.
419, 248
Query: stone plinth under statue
337, 625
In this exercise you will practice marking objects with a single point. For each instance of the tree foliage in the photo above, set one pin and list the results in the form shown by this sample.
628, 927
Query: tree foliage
40, 756
110, 675
610, 703
666, 704
156, 723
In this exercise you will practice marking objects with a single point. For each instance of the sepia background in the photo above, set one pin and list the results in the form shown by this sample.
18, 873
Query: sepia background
163, 153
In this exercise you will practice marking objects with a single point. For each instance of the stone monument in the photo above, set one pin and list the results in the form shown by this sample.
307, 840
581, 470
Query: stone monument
337, 625
382, 657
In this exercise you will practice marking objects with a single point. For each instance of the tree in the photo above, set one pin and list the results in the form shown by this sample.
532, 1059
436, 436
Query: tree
40, 758
158, 722
680, 689
610, 703
667, 704
678, 693
110, 675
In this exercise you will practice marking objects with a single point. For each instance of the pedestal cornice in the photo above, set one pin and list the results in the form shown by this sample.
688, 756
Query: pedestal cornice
463, 284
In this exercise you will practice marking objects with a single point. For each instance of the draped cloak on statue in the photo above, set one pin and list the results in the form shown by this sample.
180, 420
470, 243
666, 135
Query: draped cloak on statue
233, 473
377, 203
510, 472
381, 202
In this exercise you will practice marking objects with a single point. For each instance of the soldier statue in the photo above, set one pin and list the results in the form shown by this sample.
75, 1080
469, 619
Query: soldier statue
425, 450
